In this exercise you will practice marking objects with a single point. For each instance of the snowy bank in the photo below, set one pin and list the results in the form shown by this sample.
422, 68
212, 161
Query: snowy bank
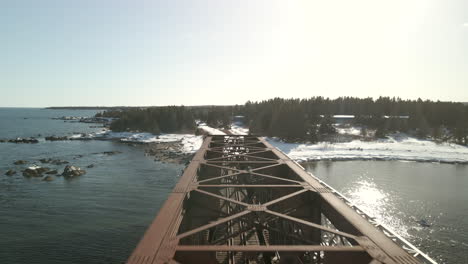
237, 128
396, 147
190, 143
355, 131
210, 130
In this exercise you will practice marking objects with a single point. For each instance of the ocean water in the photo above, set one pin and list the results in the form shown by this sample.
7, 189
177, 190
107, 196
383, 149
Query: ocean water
31, 122
96, 218
399, 194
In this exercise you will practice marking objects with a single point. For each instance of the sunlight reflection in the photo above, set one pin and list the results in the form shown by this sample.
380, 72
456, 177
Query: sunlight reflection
377, 203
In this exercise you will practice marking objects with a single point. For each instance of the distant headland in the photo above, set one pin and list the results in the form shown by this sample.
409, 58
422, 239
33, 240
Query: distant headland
88, 107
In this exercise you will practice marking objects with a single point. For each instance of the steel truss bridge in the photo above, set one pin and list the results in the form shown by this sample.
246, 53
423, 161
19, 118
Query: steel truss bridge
240, 200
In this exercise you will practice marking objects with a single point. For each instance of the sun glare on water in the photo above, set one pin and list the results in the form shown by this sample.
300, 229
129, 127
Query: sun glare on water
374, 201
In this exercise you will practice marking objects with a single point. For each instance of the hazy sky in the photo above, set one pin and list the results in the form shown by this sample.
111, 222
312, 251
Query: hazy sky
109, 52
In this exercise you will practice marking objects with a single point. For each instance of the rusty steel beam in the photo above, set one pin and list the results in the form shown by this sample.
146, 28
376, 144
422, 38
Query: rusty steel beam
240, 200
217, 222
269, 248
249, 185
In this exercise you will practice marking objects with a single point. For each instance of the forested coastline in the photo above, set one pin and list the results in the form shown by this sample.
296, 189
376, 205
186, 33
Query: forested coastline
311, 118
170, 119
308, 119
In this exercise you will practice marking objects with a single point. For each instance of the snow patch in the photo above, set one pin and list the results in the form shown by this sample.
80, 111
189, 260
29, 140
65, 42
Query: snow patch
355, 131
237, 128
210, 130
190, 143
395, 147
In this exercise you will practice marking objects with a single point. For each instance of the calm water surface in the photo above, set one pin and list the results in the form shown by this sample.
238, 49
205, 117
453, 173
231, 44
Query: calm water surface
30, 122
96, 218
400, 193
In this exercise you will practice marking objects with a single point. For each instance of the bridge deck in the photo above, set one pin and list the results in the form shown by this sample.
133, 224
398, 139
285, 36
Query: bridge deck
240, 200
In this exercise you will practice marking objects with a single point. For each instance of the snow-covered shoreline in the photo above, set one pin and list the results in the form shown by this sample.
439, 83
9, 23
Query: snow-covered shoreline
210, 130
395, 147
191, 143
238, 129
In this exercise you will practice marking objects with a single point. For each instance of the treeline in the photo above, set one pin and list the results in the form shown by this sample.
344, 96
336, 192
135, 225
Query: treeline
217, 116
309, 119
168, 119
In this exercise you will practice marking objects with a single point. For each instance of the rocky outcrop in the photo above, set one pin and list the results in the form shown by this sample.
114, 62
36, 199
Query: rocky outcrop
95, 119
111, 152
24, 140
68, 118
45, 160
90, 166
108, 152
32, 172
10, 172
41, 170
52, 172
20, 162
168, 152
56, 138
72, 171
82, 136
35, 171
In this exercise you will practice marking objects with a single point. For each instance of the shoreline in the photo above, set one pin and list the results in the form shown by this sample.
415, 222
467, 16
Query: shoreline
179, 148
394, 148
384, 159
168, 152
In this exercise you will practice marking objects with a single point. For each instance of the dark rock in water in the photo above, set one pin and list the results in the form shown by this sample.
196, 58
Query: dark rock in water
82, 136
48, 178
45, 160
72, 171
56, 138
2, 140
31, 172
59, 162
90, 166
52, 172
41, 170
10, 172
78, 157
168, 152
23, 140
111, 152
20, 162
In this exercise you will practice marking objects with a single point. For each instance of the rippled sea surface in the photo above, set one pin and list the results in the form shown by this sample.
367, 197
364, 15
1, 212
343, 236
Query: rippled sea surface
96, 218
401, 193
